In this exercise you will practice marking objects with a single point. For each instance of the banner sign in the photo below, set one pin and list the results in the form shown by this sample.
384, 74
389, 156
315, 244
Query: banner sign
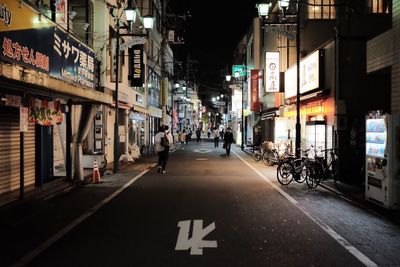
136, 66
33, 41
23, 119
255, 103
272, 72
288, 34
61, 12
44, 112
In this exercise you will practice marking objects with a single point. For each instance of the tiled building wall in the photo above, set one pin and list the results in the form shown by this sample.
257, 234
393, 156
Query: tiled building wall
396, 57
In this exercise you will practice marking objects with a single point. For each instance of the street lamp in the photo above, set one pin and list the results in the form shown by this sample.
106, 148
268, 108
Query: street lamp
284, 4
130, 15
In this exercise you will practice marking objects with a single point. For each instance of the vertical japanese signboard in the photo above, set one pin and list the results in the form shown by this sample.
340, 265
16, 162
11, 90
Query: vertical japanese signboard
23, 119
137, 66
254, 91
272, 72
61, 12
35, 42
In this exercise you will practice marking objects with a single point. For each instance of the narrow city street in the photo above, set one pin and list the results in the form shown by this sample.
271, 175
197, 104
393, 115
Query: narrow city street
208, 209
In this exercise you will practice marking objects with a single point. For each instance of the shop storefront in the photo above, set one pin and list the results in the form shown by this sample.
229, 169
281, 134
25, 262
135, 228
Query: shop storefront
317, 124
47, 95
137, 128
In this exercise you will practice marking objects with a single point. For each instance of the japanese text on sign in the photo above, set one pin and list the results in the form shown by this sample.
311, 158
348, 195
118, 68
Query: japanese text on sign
20, 53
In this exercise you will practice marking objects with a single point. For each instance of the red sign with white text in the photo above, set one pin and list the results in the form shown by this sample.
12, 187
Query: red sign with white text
255, 103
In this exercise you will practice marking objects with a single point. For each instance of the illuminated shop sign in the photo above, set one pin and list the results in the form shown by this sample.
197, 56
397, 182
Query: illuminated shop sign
313, 108
238, 71
255, 102
137, 66
5, 14
40, 45
309, 75
272, 72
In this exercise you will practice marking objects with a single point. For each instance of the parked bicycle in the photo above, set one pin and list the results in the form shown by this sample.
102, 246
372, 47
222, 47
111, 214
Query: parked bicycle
326, 167
258, 152
272, 155
297, 169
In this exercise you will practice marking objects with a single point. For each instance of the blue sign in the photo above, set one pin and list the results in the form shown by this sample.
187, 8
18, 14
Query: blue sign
52, 51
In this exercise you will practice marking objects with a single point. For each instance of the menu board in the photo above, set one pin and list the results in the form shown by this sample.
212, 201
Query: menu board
376, 135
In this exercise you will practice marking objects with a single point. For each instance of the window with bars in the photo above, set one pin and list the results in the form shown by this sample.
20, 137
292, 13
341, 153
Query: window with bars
380, 6
321, 9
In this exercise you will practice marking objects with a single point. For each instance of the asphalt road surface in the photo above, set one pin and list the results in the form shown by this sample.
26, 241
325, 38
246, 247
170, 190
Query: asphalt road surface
209, 209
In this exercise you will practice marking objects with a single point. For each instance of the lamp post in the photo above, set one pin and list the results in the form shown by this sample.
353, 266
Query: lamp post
130, 15
263, 11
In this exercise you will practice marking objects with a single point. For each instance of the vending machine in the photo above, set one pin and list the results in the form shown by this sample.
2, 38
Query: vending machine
381, 179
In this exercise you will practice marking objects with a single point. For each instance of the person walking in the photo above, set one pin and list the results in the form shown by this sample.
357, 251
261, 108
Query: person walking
198, 135
216, 137
228, 140
182, 139
208, 133
163, 141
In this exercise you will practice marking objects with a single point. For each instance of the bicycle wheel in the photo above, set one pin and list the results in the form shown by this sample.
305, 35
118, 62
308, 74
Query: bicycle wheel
284, 173
257, 155
314, 177
300, 175
268, 158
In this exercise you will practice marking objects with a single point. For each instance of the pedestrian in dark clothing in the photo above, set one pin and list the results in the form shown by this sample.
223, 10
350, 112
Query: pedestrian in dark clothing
228, 140
198, 135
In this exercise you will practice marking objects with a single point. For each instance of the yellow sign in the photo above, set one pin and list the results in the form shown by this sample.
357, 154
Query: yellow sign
17, 15
306, 110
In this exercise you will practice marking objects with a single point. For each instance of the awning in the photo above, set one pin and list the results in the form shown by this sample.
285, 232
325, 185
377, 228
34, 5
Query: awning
140, 109
54, 88
155, 112
122, 105
268, 114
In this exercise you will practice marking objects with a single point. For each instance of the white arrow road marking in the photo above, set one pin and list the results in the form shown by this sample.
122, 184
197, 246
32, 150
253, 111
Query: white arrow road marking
196, 242
202, 150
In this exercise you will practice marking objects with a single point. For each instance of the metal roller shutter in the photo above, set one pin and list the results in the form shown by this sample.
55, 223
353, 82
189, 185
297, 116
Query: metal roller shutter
10, 153
9, 149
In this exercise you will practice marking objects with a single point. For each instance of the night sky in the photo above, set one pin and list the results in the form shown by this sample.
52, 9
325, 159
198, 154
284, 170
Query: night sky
211, 34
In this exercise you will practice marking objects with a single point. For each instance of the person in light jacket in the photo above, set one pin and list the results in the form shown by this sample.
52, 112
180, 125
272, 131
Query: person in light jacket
161, 148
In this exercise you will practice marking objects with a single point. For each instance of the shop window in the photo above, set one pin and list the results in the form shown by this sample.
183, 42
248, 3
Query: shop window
45, 7
82, 22
380, 6
321, 9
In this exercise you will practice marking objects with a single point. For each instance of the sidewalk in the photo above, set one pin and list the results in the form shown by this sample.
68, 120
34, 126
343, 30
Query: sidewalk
371, 229
356, 195
26, 224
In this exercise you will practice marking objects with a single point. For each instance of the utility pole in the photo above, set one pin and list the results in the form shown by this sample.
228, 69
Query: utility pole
164, 82
187, 87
